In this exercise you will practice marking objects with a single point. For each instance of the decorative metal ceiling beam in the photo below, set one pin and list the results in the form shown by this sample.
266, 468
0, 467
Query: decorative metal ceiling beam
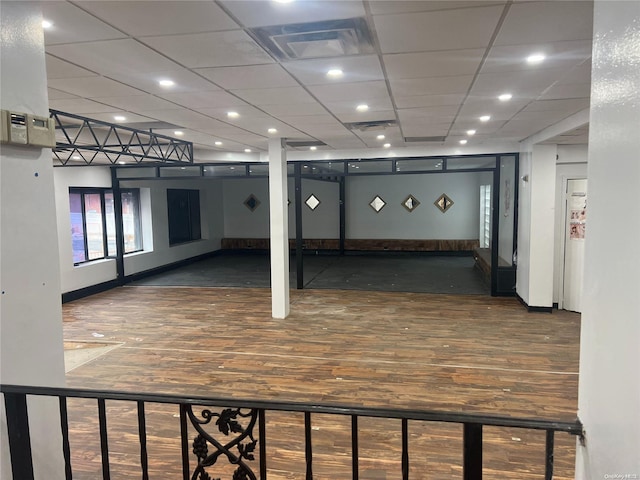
92, 139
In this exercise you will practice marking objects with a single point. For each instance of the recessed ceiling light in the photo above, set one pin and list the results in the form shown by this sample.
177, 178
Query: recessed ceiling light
233, 114
536, 58
471, 132
76, 157
313, 147
218, 143
283, 1
47, 24
272, 130
166, 83
505, 97
485, 118
122, 162
363, 107
386, 145
119, 118
380, 137
178, 133
247, 150
334, 73
463, 142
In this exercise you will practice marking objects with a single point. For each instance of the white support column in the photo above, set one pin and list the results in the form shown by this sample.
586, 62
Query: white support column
609, 391
31, 344
279, 228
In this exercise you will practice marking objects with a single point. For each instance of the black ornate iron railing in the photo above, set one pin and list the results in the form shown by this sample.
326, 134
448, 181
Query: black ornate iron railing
234, 438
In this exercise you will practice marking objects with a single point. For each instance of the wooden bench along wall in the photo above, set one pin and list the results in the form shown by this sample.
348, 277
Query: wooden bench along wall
391, 245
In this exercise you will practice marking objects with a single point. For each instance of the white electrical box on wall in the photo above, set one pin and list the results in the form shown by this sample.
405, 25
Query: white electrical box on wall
26, 129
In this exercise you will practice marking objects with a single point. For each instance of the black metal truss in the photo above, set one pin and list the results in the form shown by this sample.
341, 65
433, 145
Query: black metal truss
87, 138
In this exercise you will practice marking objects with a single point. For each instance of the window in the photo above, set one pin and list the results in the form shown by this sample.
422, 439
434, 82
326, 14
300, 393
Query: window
93, 232
184, 215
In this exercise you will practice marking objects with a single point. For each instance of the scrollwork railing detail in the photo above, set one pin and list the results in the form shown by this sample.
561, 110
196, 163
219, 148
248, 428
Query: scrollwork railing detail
229, 422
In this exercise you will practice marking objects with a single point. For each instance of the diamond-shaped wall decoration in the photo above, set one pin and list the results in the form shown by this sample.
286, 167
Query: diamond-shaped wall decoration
410, 203
312, 202
377, 203
252, 202
443, 203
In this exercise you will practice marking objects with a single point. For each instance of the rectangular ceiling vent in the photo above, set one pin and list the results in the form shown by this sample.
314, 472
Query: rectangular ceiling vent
424, 139
331, 38
305, 143
372, 125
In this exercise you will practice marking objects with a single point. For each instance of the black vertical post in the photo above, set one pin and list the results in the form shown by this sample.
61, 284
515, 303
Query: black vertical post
405, 449
104, 443
142, 434
262, 426
64, 428
495, 222
308, 452
548, 470
184, 440
343, 219
472, 452
297, 171
117, 212
354, 447
19, 439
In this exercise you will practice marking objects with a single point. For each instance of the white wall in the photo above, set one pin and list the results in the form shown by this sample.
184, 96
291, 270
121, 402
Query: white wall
609, 390
460, 222
571, 164
31, 345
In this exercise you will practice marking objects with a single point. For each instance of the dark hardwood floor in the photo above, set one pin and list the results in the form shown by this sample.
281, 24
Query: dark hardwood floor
403, 350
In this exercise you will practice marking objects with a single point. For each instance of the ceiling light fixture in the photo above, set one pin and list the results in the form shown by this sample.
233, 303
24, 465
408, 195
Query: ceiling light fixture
363, 107
471, 132
122, 162
76, 157
218, 143
386, 145
283, 1
334, 73
463, 142
313, 147
536, 58
247, 150
485, 118
178, 133
46, 24
166, 83
380, 137
272, 130
233, 114
505, 97
119, 118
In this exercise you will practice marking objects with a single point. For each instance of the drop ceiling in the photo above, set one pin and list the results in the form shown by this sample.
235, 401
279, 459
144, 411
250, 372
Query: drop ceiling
431, 69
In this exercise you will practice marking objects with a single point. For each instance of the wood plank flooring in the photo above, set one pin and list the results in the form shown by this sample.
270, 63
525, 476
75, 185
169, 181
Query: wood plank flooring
401, 350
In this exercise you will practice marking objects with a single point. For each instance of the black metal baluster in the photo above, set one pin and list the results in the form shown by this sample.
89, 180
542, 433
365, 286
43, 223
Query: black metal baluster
307, 445
262, 428
104, 444
19, 438
354, 447
472, 450
185, 441
64, 428
142, 434
405, 450
548, 470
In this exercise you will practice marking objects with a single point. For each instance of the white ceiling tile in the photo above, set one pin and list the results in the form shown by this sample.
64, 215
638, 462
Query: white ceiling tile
348, 107
93, 87
131, 118
579, 74
80, 106
57, 68
427, 113
301, 109
113, 56
360, 68
429, 100
185, 118
253, 76
426, 130
568, 105
559, 55
439, 30
357, 93
216, 49
343, 142
569, 90
552, 21
185, 81
524, 84
141, 18
275, 96
140, 103
431, 86
202, 100
386, 7
54, 94
221, 113
370, 116
303, 121
433, 64
266, 13
71, 24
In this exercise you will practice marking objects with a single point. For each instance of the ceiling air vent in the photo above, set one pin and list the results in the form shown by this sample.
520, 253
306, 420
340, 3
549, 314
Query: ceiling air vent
424, 139
331, 38
372, 125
